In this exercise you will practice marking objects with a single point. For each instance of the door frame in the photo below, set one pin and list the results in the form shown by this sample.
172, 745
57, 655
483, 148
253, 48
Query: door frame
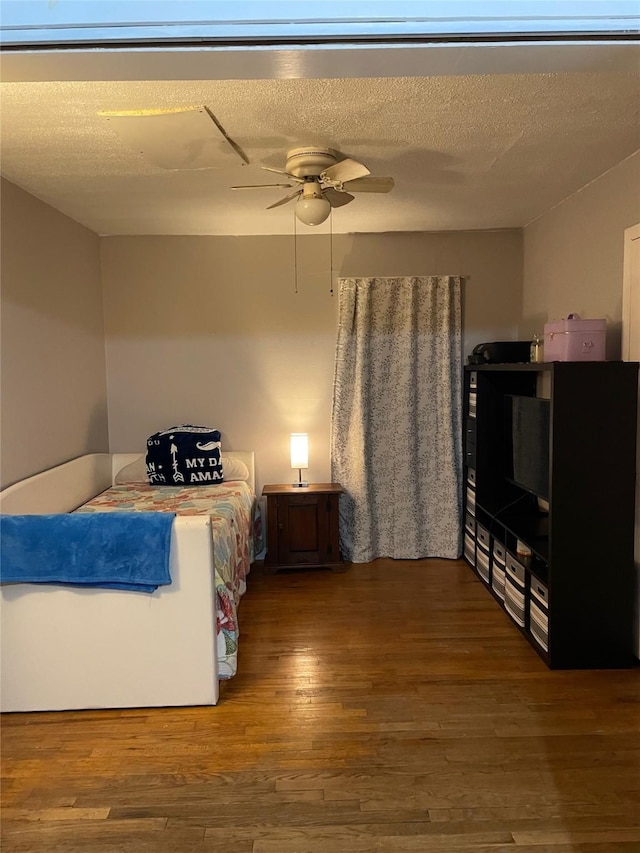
631, 352
630, 298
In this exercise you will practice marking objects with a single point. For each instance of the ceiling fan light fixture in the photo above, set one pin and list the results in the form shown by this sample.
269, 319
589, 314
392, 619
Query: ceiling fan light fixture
312, 211
312, 207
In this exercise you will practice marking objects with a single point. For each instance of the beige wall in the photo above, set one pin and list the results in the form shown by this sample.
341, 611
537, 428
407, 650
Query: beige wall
53, 379
209, 330
573, 254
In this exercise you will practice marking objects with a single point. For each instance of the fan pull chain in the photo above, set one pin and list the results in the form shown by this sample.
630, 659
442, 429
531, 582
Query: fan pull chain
295, 253
331, 252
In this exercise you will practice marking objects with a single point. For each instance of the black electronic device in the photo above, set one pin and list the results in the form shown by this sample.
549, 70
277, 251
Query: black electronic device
527, 443
501, 352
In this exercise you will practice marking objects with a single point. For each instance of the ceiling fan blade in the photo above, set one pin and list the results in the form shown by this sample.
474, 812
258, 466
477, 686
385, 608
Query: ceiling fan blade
345, 170
230, 141
336, 198
259, 186
285, 199
370, 184
151, 112
277, 171
175, 138
282, 172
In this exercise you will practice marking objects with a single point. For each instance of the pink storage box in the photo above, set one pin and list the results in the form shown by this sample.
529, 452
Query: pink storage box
575, 339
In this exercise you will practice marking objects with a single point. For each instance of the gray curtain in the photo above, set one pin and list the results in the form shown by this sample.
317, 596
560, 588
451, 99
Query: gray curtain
396, 434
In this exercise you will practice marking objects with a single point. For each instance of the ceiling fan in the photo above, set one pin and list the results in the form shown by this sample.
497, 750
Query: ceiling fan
193, 138
324, 182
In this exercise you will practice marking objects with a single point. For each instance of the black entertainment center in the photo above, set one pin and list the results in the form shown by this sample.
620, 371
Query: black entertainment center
549, 503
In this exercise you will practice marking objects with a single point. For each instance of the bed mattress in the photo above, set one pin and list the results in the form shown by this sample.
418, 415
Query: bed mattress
236, 531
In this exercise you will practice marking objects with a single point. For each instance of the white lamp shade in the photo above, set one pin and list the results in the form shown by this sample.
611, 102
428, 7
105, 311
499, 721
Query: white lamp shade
299, 450
312, 211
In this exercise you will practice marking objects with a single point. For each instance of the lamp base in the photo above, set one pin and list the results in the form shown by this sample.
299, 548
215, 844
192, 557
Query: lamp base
300, 484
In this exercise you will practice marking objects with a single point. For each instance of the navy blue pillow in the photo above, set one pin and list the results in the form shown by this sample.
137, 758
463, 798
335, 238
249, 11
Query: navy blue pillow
184, 456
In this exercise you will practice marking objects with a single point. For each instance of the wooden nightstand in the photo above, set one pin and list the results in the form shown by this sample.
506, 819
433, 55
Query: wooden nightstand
302, 527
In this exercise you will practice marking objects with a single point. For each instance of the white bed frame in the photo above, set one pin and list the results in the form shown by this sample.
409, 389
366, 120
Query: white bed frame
66, 648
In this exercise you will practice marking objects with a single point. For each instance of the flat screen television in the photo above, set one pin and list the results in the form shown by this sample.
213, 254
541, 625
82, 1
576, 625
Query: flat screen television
527, 443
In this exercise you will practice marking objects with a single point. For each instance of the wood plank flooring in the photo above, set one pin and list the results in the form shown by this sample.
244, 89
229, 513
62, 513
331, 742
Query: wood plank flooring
391, 708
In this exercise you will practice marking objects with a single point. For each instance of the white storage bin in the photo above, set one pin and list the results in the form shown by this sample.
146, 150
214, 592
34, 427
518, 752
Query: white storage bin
470, 549
470, 525
497, 580
471, 500
482, 563
515, 590
539, 624
483, 538
540, 591
499, 553
514, 601
539, 613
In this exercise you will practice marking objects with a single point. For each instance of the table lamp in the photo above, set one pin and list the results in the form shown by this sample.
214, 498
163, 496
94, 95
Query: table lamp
300, 455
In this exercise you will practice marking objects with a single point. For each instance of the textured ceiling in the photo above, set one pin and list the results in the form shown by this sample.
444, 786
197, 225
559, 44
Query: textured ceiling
466, 152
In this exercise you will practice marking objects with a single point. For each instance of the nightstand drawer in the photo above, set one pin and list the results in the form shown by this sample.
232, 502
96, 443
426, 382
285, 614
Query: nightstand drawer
299, 499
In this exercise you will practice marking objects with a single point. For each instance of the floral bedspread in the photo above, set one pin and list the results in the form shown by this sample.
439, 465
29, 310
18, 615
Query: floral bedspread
237, 537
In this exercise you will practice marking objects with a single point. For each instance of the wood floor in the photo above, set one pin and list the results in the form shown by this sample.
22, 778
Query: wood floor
391, 708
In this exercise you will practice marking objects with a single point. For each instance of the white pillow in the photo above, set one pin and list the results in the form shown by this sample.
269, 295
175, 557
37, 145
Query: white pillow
234, 468
136, 472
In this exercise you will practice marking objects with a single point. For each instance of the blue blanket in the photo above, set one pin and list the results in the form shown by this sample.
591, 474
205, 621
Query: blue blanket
114, 550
